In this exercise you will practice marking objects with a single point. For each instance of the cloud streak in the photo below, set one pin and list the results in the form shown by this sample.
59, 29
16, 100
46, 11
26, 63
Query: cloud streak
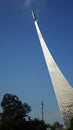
28, 3
24, 4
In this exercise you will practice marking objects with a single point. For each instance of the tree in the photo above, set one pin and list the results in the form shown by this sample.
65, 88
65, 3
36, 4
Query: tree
57, 125
71, 124
14, 111
37, 124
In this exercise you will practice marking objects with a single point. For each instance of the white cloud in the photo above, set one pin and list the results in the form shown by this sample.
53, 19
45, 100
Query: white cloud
28, 3
24, 4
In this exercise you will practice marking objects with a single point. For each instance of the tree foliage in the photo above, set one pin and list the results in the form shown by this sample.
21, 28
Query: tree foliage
71, 124
37, 124
57, 125
14, 111
13, 107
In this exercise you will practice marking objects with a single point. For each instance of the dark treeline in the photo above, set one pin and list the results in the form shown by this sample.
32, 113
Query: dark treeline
15, 115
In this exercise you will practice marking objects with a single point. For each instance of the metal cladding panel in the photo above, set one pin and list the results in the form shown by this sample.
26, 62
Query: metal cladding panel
62, 88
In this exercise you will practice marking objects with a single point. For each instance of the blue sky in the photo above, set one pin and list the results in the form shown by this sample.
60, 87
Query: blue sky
23, 69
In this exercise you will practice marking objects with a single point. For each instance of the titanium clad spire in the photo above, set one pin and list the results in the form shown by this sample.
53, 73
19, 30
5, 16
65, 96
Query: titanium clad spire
62, 88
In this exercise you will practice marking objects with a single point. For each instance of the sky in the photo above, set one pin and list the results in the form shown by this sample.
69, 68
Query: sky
23, 70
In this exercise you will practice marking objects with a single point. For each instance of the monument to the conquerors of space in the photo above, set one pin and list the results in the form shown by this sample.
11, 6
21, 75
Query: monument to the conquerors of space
62, 88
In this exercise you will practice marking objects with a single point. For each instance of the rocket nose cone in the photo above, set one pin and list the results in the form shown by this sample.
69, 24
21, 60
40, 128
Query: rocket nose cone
33, 15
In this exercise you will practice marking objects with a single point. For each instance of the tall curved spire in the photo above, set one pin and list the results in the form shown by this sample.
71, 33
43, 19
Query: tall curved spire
62, 88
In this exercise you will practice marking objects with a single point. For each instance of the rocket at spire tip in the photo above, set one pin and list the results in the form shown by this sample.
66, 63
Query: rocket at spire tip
33, 15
